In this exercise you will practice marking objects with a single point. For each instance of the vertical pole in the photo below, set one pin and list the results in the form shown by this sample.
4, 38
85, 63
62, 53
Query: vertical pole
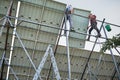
12, 71
41, 65
67, 49
112, 78
7, 34
56, 45
6, 44
27, 53
114, 60
54, 64
13, 39
117, 65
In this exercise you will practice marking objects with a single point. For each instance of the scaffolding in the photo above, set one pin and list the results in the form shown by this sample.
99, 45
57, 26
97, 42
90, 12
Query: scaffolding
8, 22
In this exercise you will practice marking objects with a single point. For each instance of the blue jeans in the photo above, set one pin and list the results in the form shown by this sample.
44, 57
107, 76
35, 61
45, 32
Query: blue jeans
70, 20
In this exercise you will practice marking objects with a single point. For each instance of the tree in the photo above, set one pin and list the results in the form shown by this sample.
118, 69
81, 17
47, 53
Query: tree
111, 43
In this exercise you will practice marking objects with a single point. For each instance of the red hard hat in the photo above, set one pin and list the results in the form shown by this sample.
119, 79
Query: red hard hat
94, 16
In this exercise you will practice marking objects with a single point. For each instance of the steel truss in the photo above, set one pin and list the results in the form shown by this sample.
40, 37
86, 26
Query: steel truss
53, 61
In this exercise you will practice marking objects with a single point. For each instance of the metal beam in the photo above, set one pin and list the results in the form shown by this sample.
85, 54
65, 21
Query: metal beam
114, 60
2, 59
41, 65
11, 70
27, 54
7, 34
13, 39
56, 45
67, 48
112, 78
37, 23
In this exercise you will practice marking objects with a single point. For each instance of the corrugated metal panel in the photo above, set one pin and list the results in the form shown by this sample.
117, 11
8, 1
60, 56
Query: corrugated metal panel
50, 3
55, 5
38, 2
2, 40
53, 16
80, 25
33, 12
76, 43
50, 16
20, 58
30, 12
4, 5
30, 44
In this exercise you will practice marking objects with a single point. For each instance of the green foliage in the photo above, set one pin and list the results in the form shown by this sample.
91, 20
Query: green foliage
111, 43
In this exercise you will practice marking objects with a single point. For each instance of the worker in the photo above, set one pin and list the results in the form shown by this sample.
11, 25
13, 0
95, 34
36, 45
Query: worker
68, 12
93, 25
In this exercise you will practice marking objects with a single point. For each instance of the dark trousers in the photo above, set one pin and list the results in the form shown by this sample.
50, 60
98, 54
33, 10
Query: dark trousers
94, 26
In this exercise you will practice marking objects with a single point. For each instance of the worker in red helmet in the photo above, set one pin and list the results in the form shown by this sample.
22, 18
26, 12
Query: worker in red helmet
93, 25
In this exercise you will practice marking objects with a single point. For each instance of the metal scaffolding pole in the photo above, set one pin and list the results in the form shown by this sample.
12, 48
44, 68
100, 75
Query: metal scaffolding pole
56, 45
117, 65
1, 62
117, 50
11, 70
13, 39
91, 53
37, 23
41, 65
67, 49
112, 78
27, 54
6, 22
49, 50
114, 60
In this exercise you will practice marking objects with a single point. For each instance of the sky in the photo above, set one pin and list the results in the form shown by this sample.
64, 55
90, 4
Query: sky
108, 9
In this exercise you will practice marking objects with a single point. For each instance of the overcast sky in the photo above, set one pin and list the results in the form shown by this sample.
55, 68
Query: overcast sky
108, 9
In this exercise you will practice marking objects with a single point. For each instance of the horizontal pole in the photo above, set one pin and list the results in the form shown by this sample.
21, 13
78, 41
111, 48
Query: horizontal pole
37, 23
